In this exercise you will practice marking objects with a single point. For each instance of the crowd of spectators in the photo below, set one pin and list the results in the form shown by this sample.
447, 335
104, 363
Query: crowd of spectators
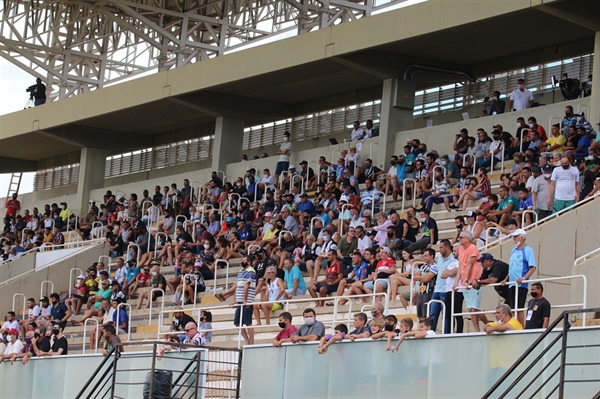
280, 226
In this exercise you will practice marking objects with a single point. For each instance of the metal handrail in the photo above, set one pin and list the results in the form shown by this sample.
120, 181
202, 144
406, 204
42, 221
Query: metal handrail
85, 333
281, 236
162, 305
98, 227
467, 155
280, 182
371, 149
564, 318
128, 321
292, 179
336, 305
138, 254
42, 284
285, 302
24, 302
501, 153
414, 194
539, 280
587, 256
428, 312
183, 280
579, 109
381, 195
226, 273
224, 175
523, 131
156, 241
444, 172
71, 279
89, 381
526, 211
559, 119
547, 218
250, 248
341, 218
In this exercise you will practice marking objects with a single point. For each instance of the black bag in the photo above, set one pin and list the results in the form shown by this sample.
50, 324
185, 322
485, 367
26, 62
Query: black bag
162, 386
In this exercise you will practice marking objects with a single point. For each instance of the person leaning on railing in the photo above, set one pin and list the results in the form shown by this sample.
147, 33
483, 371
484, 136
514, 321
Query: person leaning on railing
504, 321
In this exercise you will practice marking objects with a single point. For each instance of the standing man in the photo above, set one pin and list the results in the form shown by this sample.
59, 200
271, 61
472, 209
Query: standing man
521, 266
538, 309
12, 206
285, 150
494, 271
444, 259
520, 98
565, 186
244, 288
469, 272
540, 191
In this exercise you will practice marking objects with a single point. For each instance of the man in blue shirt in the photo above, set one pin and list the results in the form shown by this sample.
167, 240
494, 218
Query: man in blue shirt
59, 312
521, 266
307, 206
444, 259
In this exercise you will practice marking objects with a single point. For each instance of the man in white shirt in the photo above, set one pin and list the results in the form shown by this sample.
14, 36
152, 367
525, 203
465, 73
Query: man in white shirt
267, 182
32, 314
285, 150
14, 346
565, 185
520, 98
9, 324
357, 133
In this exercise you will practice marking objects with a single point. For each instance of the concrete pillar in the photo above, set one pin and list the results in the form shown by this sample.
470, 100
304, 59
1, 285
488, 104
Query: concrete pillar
228, 142
594, 116
92, 164
397, 103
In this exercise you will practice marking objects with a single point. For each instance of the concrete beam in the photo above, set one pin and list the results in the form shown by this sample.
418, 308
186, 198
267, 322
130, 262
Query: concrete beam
12, 165
588, 18
82, 137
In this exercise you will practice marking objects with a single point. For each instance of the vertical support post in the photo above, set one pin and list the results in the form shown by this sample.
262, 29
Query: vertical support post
228, 142
594, 115
397, 104
92, 163
563, 355
114, 373
154, 348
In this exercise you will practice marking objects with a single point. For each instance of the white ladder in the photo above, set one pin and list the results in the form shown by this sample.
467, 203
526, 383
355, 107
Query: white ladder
15, 184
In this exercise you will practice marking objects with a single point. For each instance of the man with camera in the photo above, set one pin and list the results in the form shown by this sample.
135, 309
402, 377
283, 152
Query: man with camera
37, 92
569, 87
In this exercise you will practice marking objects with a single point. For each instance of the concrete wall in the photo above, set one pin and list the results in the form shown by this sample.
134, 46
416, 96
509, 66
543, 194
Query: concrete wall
58, 273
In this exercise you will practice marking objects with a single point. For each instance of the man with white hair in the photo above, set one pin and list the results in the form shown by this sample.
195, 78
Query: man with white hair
469, 273
504, 321
521, 266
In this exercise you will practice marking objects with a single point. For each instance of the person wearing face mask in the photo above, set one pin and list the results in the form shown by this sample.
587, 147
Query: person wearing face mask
535, 128
14, 346
39, 343
65, 213
565, 185
60, 345
287, 329
311, 330
504, 321
158, 281
588, 181
439, 191
568, 120
540, 191
520, 98
582, 122
538, 309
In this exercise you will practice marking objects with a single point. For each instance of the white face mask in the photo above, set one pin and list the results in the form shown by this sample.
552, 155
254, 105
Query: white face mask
423, 220
309, 321
579, 118
499, 321
531, 125
206, 246
154, 273
547, 175
325, 238
518, 125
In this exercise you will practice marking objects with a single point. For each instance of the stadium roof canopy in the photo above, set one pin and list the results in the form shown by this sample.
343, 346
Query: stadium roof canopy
320, 70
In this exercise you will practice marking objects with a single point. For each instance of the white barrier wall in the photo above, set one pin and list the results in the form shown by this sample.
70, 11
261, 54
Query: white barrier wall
440, 367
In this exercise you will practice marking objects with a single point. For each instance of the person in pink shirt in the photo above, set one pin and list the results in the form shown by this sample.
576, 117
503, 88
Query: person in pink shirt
382, 224
287, 329
470, 271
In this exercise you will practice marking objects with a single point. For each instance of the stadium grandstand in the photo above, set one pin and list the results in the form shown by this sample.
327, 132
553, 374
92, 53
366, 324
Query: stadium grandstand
400, 199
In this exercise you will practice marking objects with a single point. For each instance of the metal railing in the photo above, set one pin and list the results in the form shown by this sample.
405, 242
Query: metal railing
285, 302
587, 256
501, 156
183, 290
414, 193
128, 320
428, 312
519, 380
539, 221
581, 304
217, 262
533, 217
71, 279
14, 302
44, 283
85, 335
162, 305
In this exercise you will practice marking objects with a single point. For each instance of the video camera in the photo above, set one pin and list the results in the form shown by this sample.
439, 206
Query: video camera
31, 90
564, 82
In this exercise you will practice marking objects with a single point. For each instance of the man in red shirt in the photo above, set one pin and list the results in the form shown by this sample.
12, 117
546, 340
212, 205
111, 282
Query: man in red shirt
12, 206
384, 269
333, 276
470, 271
287, 329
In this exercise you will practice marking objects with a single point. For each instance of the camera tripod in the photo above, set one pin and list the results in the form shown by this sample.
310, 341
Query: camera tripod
29, 103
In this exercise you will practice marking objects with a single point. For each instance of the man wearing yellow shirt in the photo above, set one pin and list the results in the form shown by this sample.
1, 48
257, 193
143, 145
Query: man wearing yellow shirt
557, 141
504, 321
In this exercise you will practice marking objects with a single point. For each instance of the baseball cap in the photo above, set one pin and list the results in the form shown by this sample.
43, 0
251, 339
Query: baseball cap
498, 127
519, 232
546, 168
537, 170
409, 164
304, 163
229, 219
44, 299
13, 331
292, 167
386, 250
471, 214
81, 276
485, 256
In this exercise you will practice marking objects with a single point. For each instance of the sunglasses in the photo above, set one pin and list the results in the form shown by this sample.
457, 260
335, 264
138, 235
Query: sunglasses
191, 329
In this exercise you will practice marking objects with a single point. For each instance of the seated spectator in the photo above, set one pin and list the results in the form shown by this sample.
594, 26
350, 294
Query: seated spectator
361, 328
14, 346
59, 313
333, 276
504, 321
143, 280
158, 281
425, 330
33, 312
205, 326
294, 281
60, 345
507, 204
287, 329
438, 192
311, 330
112, 341
39, 343
276, 290
339, 333
8, 325
385, 268
193, 336
429, 233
